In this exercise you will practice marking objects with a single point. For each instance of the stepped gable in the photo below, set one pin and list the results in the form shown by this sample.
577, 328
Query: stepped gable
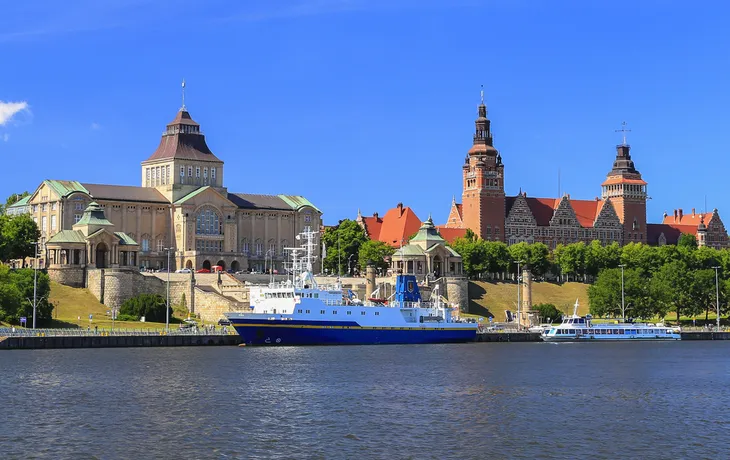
183, 140
543, 209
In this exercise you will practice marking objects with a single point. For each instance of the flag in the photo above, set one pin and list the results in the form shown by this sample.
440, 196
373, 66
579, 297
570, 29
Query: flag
324, 250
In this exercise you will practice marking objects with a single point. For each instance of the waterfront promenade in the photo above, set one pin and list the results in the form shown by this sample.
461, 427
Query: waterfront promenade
105, 338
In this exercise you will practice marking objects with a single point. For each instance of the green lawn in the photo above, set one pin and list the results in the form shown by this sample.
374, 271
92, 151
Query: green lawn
74, 305
494, 298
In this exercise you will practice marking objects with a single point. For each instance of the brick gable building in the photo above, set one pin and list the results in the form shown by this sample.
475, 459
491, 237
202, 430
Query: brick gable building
618, 215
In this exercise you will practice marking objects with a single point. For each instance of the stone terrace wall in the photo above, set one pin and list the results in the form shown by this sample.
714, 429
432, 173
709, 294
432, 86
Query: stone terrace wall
210, 306
70, 275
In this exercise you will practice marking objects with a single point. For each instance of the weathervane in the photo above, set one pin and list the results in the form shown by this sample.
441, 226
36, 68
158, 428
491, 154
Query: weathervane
623, 131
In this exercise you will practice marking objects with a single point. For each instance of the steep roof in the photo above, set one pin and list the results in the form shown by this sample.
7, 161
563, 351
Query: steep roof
298, 202
428, 234
183, 140
21, 202
398, 225
586, 211
67, 236
124, 193
65, 187
450, 233
373, 225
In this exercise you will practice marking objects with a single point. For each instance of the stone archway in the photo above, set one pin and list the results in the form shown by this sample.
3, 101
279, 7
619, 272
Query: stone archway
206, 264
101, 255
222, 265
235, 266
189, 264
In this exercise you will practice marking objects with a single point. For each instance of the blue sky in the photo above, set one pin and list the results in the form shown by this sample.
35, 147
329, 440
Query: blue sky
367, 103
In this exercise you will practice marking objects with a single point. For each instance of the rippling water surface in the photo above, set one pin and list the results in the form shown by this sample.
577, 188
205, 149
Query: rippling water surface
495, 400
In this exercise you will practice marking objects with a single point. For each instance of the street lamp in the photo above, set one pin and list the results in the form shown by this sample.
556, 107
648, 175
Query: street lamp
717, 296
349, 264
519, 307
623, 310
35, 281
167, 309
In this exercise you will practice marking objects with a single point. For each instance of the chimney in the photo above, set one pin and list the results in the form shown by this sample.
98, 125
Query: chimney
375, 214
400, 209
693, 212
675, 216
680, 214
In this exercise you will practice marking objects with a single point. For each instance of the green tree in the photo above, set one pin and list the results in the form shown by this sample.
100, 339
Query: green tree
374, 252
17, 235
571, 259
548, 310
642, 257
11, 200
535, 256
605, 294
472, 256
16, 295
497, 257
687, 240
151, 306
342, 243
672, 286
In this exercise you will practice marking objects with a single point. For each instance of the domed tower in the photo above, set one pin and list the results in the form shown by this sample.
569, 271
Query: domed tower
627, 191
182, 162
483, 203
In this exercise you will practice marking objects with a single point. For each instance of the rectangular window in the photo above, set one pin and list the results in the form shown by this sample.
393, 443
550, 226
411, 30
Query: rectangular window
212, 173
321, 312
43, 223
77, 218
164, 176
34, 208
205, 173
169, 176
53, 206
79, 206
190, 171
197, 171
362, 313
53, 222
145, 245
182, 171
43, 207
377, 313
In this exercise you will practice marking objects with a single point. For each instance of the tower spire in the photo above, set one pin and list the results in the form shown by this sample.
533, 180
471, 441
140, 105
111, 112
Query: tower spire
623, 131
183, 109
481, 93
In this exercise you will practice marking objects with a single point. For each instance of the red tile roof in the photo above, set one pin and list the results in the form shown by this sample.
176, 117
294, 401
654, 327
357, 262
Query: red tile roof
373, 225
450, 234
686, 219
586, 211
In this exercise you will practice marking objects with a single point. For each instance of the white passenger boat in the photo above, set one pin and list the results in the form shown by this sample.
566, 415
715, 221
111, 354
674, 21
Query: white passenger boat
582, 329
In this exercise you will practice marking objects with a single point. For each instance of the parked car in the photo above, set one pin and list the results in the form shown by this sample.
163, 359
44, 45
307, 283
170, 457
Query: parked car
183, 270
186, 326
202, 270
224, 322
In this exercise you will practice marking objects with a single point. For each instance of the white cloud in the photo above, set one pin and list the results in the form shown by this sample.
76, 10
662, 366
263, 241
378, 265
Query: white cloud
9, 109
95, 126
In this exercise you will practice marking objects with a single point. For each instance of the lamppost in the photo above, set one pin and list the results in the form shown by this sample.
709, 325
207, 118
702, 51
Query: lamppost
717, 296
167, 307
35, 281
349, 264
519, 307
623, 311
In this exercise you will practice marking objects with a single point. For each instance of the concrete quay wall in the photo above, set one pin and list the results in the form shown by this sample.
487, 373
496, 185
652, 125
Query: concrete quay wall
114, 341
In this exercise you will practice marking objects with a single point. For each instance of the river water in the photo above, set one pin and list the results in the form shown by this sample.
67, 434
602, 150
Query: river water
481, 400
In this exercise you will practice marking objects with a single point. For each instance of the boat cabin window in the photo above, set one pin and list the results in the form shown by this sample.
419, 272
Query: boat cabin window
321, 312
299, 311
316, 295
334, 312
377, 313
349, 312
306, 311
362, 313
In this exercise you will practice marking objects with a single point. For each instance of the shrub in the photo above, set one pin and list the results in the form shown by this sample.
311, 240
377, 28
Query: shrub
151, 306
548, 310
122, 317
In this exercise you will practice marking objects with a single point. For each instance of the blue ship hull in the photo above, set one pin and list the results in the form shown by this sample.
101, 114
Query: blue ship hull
314, 334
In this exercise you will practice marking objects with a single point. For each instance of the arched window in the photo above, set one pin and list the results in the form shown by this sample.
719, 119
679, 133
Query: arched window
145, 242
272, 247
208, 222
284, 245
259, 247
245, 246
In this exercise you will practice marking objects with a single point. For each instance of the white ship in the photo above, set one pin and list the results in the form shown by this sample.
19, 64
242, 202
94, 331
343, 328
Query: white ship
582, 329
299, 312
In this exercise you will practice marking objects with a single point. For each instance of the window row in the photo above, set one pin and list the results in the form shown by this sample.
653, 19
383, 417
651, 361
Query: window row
157, 175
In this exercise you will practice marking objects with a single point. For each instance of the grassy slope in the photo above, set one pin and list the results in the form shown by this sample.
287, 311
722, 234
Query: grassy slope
74, 305
495, 298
